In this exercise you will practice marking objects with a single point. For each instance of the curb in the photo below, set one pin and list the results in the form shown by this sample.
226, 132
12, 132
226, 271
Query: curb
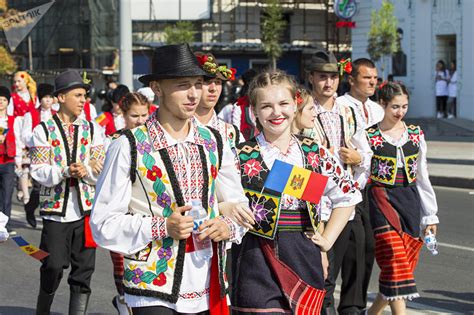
456, 182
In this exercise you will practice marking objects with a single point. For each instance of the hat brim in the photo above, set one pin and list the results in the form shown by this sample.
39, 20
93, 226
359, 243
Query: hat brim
146, 79
327, 68
73, 85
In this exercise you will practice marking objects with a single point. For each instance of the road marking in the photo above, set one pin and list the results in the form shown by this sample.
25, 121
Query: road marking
469, 249
471, 193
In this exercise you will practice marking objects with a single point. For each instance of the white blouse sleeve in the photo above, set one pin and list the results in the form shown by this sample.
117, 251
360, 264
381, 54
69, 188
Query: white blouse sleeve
97, 153
236, 115
111, 226
361, 171
27, 130
425, 190
19, 143
229, 188
41, 168
340, 188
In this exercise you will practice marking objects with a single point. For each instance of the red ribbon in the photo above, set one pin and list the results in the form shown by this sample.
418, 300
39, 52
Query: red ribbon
217, 304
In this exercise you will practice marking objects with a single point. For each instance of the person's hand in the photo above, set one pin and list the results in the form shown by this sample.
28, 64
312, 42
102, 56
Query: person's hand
350, 156
77, 170
96, 166
178, 225
325, 264
2, 139
216, 229
242, 215
319, 240
433, 228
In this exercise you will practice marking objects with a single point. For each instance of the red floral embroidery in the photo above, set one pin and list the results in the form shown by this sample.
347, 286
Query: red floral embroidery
88, 202
56, 205
322, 153
313, 159
252, 168
213, 171
84, 141
55, 142
376, 141
338, 170
160, 280
154, 173
415, 138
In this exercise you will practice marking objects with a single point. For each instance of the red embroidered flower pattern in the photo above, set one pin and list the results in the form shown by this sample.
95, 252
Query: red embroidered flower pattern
55, 142
88, 202
160, 280
376, 141
154, 173
84, 141
415, 138
213, 171
313, 159
252, 168
322, 153
56, 205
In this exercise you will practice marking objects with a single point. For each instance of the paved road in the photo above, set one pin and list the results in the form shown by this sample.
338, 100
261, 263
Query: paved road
445, 281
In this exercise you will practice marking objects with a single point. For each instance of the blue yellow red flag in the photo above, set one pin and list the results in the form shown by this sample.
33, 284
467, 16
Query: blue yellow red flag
29, 249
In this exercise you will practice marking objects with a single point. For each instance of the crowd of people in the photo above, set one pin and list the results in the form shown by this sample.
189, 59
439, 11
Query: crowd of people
131, 179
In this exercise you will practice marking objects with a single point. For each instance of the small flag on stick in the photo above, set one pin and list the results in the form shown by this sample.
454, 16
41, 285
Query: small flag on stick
102, 119
29, 249
3, 131
296, 181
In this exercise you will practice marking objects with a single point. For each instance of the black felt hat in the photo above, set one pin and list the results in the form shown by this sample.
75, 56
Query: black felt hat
45, 89
5, 92
119, 92
68, 80
173, 61
322, 61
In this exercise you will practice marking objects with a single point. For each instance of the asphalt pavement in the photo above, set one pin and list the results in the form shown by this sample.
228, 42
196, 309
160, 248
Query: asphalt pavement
445, 281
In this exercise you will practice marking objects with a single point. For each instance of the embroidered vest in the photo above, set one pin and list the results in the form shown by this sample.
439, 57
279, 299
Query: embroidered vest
53, 200
265, 203
384, 165
157, 270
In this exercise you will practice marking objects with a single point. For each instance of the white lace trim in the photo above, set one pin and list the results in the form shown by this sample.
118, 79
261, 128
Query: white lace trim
400, 297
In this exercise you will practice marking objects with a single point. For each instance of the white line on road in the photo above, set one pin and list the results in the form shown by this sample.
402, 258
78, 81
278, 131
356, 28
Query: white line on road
456, 247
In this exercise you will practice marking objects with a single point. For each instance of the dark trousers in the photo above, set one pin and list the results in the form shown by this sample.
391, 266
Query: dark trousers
441, 102
31, 206
7, 184
65, 244
353, 256
159, 310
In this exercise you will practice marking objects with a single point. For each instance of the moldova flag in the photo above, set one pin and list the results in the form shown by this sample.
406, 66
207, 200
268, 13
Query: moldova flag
296, 181
29, 249
102, 119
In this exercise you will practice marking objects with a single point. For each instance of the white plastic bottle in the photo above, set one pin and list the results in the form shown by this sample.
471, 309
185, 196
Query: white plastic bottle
431, 243
203, 247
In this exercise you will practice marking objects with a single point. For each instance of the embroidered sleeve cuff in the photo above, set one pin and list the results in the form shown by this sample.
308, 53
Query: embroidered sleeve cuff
158, 228
429, 220
232, 227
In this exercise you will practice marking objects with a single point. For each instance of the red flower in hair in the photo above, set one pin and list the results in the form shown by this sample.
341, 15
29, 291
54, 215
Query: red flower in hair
234, 71
298, 97
202, 59
22, 76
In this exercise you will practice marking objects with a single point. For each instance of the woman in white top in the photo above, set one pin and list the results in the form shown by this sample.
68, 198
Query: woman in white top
401, 200
452, 89
441, 88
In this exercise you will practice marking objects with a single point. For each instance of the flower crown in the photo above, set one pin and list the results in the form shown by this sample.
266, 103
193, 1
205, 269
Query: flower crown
209, 64
345, 65
299, 96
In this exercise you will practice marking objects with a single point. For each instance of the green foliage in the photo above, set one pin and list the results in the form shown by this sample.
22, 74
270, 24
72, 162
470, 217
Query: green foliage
273, 26
7, 63
181, 32
383, 37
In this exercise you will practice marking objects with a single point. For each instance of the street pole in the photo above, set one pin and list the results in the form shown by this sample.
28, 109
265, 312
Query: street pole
30, 53
126, 59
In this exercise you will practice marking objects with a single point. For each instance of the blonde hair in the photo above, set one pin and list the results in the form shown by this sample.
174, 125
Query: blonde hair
267, 78
30, 83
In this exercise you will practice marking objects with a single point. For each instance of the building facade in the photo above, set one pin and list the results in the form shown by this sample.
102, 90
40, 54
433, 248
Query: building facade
431, 30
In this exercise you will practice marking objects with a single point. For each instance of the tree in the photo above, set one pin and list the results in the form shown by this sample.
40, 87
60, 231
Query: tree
7, 63
181, 32
383, 36
273, 26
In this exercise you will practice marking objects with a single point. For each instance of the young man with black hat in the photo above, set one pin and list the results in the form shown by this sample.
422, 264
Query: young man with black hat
9, 154
336, 128
151, 175
61, 150
32, 119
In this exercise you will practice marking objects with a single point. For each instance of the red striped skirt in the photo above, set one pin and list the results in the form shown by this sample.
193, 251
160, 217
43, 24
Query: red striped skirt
395, 218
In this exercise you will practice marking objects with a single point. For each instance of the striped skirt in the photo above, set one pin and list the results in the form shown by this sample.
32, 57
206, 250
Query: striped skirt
283, 276
395, 217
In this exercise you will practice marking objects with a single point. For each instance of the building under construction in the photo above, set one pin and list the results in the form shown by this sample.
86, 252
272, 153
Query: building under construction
85, 33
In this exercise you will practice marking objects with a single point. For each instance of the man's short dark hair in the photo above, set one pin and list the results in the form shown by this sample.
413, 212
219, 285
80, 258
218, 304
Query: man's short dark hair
356, 64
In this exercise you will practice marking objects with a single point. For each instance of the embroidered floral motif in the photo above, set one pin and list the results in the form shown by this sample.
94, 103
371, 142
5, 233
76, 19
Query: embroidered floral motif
376, 141
252, 168
313, 159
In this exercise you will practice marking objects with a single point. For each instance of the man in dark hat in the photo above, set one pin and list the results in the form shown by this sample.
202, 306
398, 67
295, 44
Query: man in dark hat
336, 128
61, 150
152, 175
